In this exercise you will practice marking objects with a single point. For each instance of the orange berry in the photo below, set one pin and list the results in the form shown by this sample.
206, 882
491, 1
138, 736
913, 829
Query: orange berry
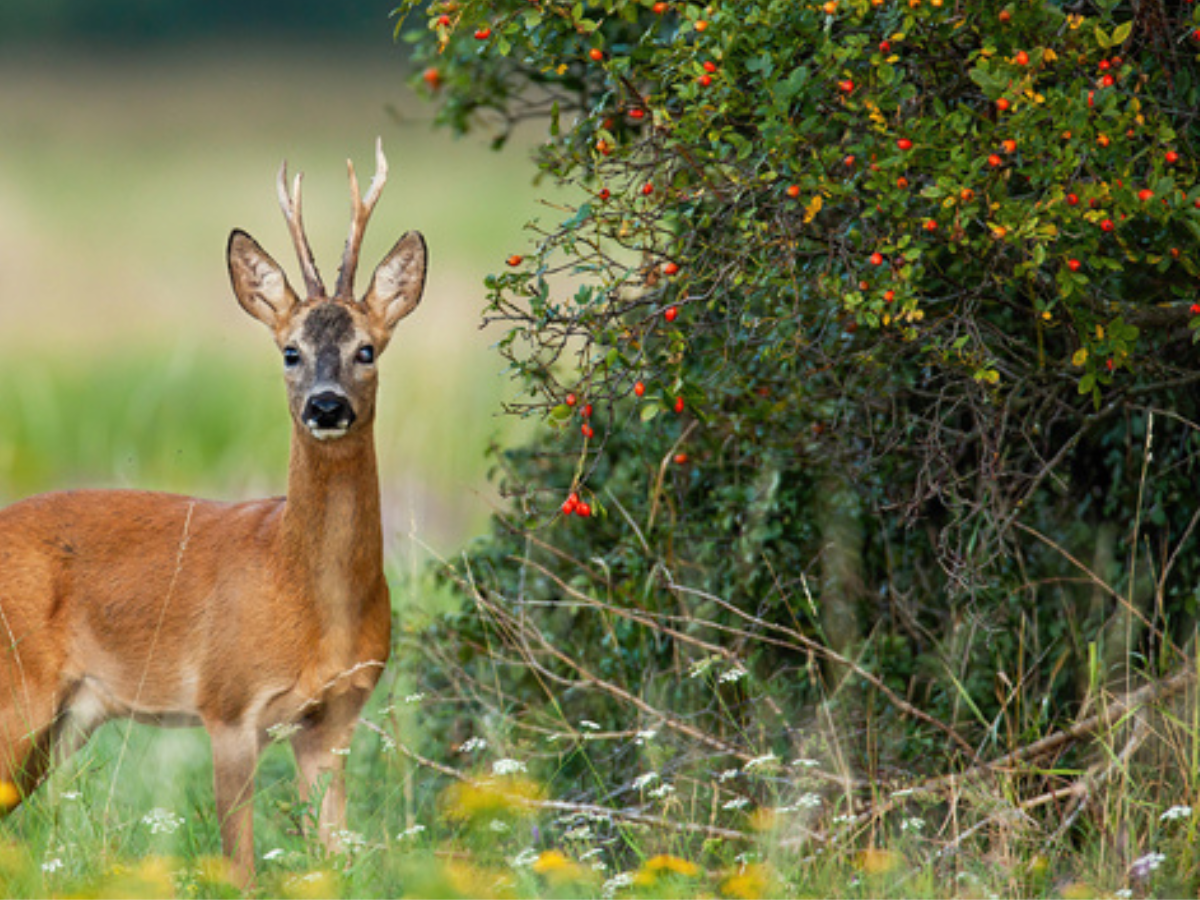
670, 268
483, 34
1003, 104
639, 389
432, 77
966, 195
1010, 146
701, 25
1022, 58
793, 190
515, 259
596, 54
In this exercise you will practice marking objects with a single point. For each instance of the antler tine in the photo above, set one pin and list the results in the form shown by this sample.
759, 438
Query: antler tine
290, 204
358, 223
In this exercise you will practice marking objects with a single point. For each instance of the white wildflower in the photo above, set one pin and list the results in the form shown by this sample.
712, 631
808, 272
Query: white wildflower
1142, 867
70, 795
1123, 893
642, 780
1176, 812
663, 790
588, 724
736, 803
804, 763
913, 823
808, 801
766, 761
595, 851
737, 673
415, 698
161, 821
273, 854
845, 819
701, 667
643, 736
388, 743
52, 865
582, 833
350, 840
282, 731
470, 745
903, 792
499, 826
728, 774
526, 857
617, 883
410, 831
340, 751
507, 767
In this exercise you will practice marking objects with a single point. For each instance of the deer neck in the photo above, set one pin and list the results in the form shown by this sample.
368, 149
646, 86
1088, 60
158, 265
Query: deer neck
331, 529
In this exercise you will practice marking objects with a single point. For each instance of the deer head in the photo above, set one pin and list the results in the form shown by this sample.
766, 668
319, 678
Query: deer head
330, 345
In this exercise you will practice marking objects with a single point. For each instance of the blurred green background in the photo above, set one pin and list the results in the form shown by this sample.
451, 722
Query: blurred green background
133, 137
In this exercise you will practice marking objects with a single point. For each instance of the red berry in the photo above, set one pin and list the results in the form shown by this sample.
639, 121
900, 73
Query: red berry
483, 34
995, 160
639, 389
1107, 225
889, 296
793, 190
1004, 16
1172, 157
904, 144
1072, 199
670, 313
571, 400
670, 268
1003, 104
570, 505
681, 459
710, 66
1195, 309
885, 47
587, 430
637, 113
705, 80
678, 404
648, 188
846, 86
1145, 194
444, 21
596, 54
515, 259
930, 225
604, 194
660, 8
432, 77
1022, 58
1107, 81
877, 259
586, 412
1073, 265
583, 509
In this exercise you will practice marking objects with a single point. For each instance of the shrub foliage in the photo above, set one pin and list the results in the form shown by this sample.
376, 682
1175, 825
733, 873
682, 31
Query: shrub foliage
867, 346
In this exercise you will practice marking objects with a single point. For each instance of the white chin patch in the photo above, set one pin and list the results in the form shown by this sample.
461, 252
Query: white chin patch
325, 434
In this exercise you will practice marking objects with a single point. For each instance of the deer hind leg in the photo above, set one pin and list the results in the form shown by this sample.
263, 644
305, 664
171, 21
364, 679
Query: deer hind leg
235, 752
28, 727
321, 746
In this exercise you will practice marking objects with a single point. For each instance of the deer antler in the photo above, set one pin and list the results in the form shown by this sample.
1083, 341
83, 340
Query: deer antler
290, 204
358, 224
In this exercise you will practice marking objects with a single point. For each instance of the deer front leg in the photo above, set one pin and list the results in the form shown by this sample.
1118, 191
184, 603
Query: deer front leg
235, 752
320, 747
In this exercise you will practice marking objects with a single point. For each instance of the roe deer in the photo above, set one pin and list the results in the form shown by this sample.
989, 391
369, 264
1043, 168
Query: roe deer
235, 616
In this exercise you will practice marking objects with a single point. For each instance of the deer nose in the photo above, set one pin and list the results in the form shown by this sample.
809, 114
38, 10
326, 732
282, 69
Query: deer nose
328, 411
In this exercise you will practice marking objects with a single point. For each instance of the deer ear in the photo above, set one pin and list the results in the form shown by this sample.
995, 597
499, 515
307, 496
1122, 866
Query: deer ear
398, 282
260, 285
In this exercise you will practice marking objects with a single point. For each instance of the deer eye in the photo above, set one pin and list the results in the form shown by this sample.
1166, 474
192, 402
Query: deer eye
291, 357
365, 355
